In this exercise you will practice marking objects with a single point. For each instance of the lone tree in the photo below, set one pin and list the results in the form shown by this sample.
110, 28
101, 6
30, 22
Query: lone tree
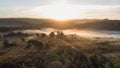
52, 35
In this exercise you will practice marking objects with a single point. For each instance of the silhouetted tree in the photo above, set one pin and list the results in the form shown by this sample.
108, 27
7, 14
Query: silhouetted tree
37, 35
43, 35
60, 35
52, 35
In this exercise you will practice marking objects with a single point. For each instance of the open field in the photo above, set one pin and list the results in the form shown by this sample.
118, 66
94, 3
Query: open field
56, 49
59, 33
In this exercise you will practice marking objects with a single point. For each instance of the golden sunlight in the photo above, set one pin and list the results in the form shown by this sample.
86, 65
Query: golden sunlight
63, 11
59, 11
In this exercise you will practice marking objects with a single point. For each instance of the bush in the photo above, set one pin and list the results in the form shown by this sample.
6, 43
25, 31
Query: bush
43, 35
80, 60
22, 39
55, 64
52, 35
100, 61
6, 44
35, 43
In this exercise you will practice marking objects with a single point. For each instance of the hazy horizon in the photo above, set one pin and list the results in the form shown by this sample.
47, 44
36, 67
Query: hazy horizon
60, 9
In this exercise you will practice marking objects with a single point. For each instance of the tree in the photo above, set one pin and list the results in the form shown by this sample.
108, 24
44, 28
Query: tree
52, 35
37, 35
60, 35
43, 35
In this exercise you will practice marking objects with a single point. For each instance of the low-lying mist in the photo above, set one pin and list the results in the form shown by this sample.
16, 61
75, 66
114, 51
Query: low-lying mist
83, 33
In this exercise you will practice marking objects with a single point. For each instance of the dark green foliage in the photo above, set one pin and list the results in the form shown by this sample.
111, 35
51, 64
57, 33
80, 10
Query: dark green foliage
80, 60
39, 62
64, 58
6, 44
55, 64
9, 65
1, 35
99, 61
35, 43
59, 52
18, 34
47, 59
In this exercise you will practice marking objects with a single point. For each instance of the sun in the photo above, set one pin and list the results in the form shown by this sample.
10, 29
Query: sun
59, 11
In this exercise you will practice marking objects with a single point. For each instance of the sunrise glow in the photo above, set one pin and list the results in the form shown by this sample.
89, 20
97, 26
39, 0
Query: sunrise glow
60, 11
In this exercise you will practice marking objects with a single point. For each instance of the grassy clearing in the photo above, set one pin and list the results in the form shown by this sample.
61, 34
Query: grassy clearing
57, 50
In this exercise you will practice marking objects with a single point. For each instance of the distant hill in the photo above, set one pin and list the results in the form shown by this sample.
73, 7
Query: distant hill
32, 23
8, 24
21, 22
99, 25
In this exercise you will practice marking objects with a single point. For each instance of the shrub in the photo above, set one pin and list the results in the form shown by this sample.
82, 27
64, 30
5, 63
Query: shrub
6, 44
43, 35
35, 43
52, 35
80, 60
22, 39
55, 64
60, 35
99, 61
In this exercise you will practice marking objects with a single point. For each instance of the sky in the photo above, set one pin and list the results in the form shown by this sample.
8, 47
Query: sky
60, 9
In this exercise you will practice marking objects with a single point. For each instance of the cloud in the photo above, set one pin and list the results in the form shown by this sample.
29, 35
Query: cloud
105, 10
25, 3
95, 2
10, 8
87, 8
110, 12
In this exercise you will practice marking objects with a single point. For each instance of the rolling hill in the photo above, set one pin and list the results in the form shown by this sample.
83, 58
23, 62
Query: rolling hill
32, 23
